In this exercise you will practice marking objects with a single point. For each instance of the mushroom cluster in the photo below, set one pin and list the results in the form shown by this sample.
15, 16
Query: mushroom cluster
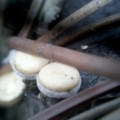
53, 79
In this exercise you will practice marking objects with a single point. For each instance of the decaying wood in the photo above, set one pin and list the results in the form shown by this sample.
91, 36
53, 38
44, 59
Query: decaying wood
89, 28
85, 62
73, 18
63, 108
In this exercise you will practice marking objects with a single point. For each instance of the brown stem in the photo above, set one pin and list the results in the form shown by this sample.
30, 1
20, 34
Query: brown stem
73, 18
89, 28
74, 103
35, 7
85, 62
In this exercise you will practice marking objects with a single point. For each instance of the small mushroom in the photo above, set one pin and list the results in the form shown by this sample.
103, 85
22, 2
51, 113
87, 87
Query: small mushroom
58, 80
11, 89
26, 65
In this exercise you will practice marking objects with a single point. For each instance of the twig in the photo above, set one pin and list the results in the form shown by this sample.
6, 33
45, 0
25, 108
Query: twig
73, 18
96, 112
115, 115
63, 108
89, 28
85, 62
35, 7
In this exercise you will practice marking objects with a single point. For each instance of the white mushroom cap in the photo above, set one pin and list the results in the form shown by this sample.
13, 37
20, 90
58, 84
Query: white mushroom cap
11, 89
58, 80
26, 65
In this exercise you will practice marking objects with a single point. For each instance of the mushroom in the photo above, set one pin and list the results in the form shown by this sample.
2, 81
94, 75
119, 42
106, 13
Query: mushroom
58, 80
26, 65
11, 89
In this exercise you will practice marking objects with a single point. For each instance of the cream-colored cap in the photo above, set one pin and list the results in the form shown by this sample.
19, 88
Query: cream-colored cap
26, 65
11, 89
58, 80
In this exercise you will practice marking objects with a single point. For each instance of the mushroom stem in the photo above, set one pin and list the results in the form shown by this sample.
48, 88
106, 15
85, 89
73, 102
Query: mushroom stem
73, 18
85, 62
